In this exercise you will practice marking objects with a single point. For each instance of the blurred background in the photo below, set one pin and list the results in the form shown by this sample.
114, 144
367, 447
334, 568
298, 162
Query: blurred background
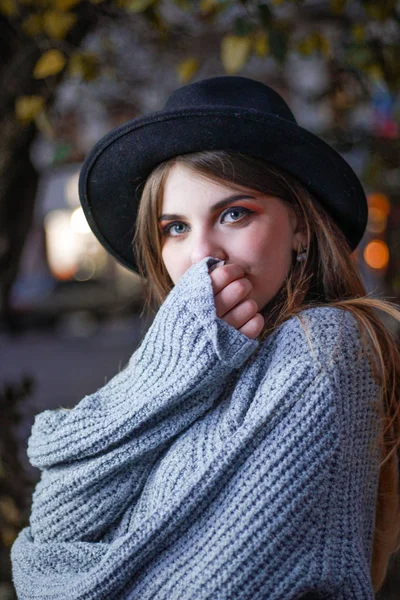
71, 70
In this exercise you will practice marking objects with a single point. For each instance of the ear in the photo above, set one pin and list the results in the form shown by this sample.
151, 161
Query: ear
299, 237
299, 241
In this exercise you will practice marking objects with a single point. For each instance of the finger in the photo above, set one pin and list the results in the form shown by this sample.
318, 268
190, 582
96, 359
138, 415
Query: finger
241, 313
231, 295
254, 327
224, 275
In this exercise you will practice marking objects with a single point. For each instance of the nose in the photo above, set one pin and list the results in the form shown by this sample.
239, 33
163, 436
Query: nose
204, 244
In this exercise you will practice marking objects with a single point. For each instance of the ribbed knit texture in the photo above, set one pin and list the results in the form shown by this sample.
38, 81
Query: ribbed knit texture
211, 467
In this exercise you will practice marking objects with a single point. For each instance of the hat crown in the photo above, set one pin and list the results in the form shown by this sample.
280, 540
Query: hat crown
230, 91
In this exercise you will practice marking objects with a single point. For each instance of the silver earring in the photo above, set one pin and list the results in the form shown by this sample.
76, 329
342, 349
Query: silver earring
302, 254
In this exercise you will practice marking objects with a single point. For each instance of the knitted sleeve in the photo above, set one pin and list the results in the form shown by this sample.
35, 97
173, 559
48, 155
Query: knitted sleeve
96, 457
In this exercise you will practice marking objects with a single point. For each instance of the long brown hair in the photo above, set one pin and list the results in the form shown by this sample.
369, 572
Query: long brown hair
328, 277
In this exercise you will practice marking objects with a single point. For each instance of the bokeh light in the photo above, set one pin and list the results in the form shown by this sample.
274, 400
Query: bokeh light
376, 254
79, 223
378, 211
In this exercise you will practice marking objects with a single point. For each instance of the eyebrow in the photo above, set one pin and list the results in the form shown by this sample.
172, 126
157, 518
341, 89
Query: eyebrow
217, 206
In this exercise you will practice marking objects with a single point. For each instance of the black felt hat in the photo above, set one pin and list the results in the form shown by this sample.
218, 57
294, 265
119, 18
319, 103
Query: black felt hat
230, 113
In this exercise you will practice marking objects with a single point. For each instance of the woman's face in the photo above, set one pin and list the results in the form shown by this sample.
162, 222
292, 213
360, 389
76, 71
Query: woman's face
202, 218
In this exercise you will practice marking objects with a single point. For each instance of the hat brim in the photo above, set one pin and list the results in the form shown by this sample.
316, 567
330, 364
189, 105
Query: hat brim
121, 161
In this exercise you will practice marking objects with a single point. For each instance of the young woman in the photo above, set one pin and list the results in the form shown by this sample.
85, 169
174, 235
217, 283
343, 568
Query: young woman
249, 449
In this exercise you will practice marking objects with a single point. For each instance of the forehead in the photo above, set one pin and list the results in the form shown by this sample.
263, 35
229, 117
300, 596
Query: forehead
183, 181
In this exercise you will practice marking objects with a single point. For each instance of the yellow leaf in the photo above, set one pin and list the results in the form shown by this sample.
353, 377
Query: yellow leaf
338, 6
234, 52
187, 68
56, 23
261, 43
84, 65
75, 66
8, 7
278, 2
65, 4
307, 45
375, 72
28, 107
8, 535
137, 6
325, 47
50, 63
9, 511
36, 3
185, 5
44, 125
33, 25
358, 32
207, 5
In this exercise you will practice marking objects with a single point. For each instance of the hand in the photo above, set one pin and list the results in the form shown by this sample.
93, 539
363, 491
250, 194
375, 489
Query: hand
231, 289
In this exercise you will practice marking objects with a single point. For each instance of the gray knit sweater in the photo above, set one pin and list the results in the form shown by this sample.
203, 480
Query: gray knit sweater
212, 467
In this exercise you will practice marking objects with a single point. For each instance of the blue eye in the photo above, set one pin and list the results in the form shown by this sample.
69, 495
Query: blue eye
236, 213
169, 230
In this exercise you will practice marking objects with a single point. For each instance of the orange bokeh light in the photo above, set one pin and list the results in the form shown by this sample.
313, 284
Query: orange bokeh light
376, 254
380, 202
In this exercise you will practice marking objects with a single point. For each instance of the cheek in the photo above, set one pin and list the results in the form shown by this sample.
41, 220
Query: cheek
173, 262
167, 258
270, 253
272, 244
